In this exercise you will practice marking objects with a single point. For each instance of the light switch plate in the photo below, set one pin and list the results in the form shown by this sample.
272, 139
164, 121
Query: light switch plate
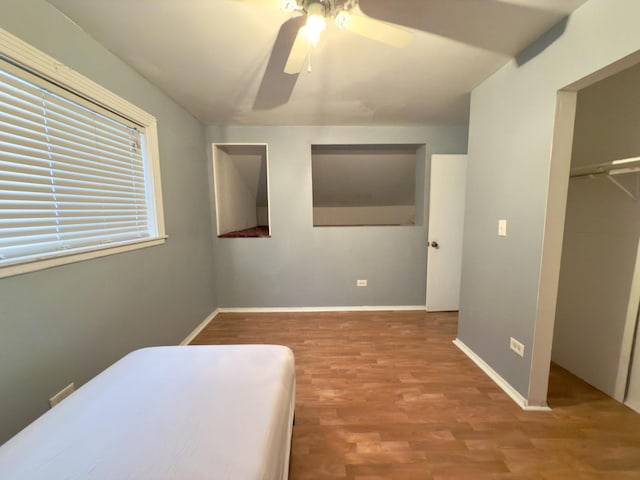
516, 346
502, 228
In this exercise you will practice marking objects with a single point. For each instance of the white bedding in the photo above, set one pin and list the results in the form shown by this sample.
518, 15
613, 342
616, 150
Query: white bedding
193, 412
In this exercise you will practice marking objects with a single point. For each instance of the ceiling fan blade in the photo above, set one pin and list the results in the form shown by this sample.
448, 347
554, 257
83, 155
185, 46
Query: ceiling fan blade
504, 26
276, 86
374, 29
298, 54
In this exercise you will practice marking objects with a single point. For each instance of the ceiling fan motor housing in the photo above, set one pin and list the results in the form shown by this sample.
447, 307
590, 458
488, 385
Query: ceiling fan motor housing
316, 8
326, 8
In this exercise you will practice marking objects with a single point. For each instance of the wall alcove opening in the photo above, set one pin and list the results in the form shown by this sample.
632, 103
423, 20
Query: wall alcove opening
366, 185
241, 183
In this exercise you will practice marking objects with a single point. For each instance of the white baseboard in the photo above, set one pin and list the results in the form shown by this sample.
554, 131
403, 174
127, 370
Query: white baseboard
200, 327
501, 382
633, 405
363, 308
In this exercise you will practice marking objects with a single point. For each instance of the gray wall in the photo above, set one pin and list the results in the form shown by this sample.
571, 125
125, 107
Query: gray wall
305, 266
70, 322
608, 120
510, 148
367, 215
601, 234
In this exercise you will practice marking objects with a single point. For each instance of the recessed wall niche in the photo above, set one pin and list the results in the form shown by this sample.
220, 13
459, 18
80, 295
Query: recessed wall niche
367, 185
241, 184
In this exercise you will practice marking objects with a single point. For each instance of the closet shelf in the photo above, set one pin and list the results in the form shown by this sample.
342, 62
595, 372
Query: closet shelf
609, 169
616, 167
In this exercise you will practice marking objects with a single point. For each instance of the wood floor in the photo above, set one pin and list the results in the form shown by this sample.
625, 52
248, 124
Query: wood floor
386, 395
254, 232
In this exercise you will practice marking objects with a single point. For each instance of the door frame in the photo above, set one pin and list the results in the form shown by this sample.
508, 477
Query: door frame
552, 244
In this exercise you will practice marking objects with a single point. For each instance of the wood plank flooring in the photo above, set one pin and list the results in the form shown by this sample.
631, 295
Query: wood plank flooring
386, 395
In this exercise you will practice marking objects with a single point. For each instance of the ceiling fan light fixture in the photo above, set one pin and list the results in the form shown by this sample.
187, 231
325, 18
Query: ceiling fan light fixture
316, 22
342, 19
289, 5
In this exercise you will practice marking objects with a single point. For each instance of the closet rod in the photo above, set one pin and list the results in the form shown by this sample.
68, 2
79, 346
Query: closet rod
616, 167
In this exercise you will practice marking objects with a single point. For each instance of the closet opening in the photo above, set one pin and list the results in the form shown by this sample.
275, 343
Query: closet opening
595, 327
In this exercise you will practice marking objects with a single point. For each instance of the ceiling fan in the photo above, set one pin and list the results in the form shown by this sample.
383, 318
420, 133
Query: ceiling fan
345, 14
479, 23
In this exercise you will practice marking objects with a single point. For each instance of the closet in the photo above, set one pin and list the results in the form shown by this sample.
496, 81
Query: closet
599, 290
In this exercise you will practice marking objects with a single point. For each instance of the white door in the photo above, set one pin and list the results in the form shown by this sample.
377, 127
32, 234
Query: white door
446, 219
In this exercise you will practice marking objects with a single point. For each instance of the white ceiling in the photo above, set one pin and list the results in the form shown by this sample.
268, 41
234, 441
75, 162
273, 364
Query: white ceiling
211, 57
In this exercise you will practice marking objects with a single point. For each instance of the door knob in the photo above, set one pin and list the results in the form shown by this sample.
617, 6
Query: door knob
435, 245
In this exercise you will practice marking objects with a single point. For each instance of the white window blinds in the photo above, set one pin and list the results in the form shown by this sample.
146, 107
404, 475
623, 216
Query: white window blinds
72, 176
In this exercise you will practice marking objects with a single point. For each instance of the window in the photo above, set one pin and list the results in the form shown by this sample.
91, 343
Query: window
241, 190
373, 185
77, 179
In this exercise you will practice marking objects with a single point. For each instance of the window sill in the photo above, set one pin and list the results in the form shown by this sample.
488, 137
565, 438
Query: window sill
77, 256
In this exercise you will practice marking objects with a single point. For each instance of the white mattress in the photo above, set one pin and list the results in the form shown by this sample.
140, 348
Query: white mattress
193, 412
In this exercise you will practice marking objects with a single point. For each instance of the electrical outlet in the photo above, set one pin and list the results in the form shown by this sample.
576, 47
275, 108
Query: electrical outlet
361, 283
502, 228
516, 346
61, 395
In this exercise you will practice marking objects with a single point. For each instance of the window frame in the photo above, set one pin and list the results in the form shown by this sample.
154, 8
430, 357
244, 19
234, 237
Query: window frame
17, 52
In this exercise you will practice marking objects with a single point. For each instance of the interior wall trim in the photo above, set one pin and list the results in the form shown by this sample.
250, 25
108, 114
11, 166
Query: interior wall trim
501, 382
189, 338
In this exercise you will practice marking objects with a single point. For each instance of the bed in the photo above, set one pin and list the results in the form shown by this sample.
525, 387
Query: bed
189, 412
